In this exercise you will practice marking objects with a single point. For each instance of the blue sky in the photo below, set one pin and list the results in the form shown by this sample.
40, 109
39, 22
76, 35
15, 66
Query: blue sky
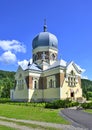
69, 20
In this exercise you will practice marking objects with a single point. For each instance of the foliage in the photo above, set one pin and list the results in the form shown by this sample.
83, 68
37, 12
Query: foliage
6, 128
61, 104
88, 110
87, 88
6, 83
87, 105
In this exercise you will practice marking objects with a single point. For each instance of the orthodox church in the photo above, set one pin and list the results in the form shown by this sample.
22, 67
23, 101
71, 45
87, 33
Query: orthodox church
47, 78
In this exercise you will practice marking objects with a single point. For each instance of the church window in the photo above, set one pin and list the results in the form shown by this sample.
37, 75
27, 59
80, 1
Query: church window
20, 84
51, 83
20, 75
34, 57
53, 56
72, 73
72, 79
35, 84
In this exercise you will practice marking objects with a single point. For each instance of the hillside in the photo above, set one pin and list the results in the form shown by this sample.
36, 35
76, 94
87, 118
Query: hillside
86, 84
87, 88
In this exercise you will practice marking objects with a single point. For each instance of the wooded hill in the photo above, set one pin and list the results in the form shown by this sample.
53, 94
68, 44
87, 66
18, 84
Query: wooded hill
7, 82
87, 88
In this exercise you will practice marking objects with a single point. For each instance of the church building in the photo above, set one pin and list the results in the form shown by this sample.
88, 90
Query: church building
47, 78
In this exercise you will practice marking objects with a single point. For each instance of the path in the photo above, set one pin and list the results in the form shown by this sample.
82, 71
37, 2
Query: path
82, 118
45, 124
14, 125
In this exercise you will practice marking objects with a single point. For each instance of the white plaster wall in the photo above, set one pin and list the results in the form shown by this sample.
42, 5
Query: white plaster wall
17, 93
53, 79
35, 94
66, 91
70, 68
50, 93
52, 72
20, 94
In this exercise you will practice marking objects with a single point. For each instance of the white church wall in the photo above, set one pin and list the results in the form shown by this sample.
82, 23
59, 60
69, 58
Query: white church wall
35, 94
52, 93
66, 91
71, 68
53, 81
44, 94
20, 95
34, 74
52, 72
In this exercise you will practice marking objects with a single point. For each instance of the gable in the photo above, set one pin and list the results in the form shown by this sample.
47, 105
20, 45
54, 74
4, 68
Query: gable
20, 79
73, 67
19, 70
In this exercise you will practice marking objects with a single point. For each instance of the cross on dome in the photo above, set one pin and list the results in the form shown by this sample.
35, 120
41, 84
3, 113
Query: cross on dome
45, 26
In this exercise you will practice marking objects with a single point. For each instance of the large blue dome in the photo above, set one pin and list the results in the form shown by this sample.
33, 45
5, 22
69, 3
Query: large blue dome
45, 39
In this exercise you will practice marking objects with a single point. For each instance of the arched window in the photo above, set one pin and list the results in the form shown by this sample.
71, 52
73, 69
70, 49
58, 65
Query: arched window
51, 83
35, 84
34, 57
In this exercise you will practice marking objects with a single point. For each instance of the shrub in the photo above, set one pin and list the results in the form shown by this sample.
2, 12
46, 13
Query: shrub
87, 105
61, 104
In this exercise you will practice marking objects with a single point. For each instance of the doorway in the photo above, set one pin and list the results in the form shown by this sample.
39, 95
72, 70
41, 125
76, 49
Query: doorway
72, 94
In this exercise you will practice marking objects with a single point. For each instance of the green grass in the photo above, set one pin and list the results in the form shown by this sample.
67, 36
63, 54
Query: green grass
6, 128
88, 110
38, 113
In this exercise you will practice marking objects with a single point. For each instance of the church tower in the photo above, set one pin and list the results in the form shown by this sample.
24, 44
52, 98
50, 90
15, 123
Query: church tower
45, 47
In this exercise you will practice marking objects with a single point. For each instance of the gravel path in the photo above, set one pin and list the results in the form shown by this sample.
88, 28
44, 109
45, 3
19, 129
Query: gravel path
14, 125
19, 127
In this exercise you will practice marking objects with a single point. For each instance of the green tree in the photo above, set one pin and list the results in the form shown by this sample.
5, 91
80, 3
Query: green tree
6, 83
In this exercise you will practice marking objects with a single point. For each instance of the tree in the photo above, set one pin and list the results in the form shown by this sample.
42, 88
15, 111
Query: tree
6, 83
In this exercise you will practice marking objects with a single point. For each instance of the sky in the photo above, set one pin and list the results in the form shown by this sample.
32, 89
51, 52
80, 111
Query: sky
69, 20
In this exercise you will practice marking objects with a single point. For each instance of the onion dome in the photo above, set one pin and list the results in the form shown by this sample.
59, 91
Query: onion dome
45, 39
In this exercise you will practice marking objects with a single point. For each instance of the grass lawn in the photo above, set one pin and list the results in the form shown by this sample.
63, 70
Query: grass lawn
88, 110
6, 128
38, 113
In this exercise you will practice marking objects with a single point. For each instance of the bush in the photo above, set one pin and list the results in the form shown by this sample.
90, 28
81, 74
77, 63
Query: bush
87, 105
72, 104
61, 104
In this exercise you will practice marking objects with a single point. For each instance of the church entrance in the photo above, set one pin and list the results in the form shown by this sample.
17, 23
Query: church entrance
72, 94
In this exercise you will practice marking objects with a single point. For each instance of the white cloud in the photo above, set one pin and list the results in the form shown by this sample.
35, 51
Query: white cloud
24, 63
10, 45
31, 61
84, 77
8, 57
